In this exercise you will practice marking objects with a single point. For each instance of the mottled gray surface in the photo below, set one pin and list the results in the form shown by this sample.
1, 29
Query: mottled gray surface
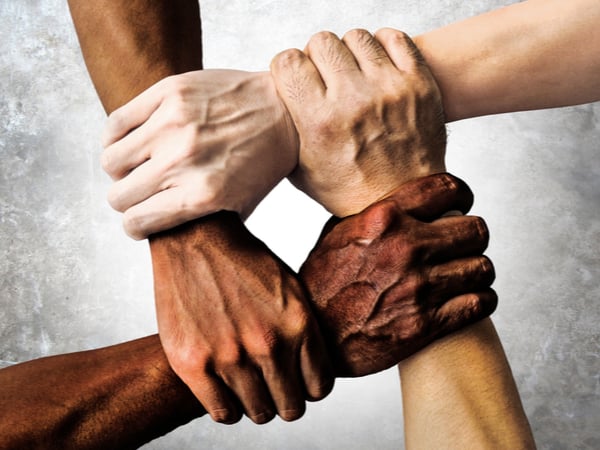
70, 279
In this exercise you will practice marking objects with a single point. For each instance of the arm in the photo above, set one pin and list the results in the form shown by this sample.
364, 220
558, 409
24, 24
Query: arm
275, 357
530, 55
125, 395
473, 367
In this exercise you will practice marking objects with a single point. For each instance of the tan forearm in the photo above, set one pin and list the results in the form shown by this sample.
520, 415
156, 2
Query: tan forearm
530, 55
460, 393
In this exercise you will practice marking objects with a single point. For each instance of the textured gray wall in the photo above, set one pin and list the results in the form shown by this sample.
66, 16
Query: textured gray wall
71, 280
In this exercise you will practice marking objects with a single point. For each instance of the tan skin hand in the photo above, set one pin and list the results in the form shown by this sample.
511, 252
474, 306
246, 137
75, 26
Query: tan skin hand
368, 114
233, 319
401, 280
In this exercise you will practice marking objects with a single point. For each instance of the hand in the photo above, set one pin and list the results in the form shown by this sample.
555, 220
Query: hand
390, 280
194, 144
368, 114
234, 322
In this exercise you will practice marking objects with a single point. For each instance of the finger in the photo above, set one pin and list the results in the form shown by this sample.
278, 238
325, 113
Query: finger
297, 80
401, 49
430, 197
449, 238
333, 59
133, 114
121, 157
143, 182
282, 377
315, 366
465, 310
459, 277
249, 386
167, 209
216, 398
369, 54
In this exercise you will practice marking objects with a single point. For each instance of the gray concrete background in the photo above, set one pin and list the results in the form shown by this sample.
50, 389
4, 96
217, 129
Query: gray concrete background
71, 280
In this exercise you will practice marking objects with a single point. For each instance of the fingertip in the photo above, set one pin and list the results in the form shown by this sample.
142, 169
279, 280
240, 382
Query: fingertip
290, 415
321, 390
226, 416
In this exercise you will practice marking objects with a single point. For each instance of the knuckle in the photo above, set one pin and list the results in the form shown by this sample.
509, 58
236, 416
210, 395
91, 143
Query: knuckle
134, 226
448, 182
115, 198
321, 38
357, 35
188, 361
287, 59
264, 346
396, 37
230, 356
201, 202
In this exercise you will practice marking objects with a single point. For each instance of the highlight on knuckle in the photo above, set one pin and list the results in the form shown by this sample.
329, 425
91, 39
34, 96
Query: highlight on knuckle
321, 38
288, 59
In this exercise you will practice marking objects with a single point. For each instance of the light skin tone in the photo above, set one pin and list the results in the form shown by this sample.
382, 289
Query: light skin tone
217, 375
525, 100
126, 395
530, 55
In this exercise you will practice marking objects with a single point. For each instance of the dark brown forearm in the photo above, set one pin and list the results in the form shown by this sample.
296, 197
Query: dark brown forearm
116, 397
129, 46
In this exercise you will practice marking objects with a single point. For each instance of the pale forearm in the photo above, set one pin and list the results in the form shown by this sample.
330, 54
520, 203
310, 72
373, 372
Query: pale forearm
116, 397
459, 393
530, 55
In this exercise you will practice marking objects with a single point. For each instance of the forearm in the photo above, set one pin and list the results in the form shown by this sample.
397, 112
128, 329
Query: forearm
459, 393
530, 55
116, 397
128, 46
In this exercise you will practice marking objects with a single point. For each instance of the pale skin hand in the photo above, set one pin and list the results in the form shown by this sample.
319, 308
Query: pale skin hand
194, 144
530, 55
347, 98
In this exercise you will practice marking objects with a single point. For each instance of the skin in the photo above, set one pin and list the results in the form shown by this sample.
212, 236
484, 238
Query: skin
262, 387
462, 383
247, 375
501, 61
126, 395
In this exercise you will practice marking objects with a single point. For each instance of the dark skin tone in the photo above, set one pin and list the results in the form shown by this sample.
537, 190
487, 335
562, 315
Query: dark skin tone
275, 357
126, 395
249, 375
